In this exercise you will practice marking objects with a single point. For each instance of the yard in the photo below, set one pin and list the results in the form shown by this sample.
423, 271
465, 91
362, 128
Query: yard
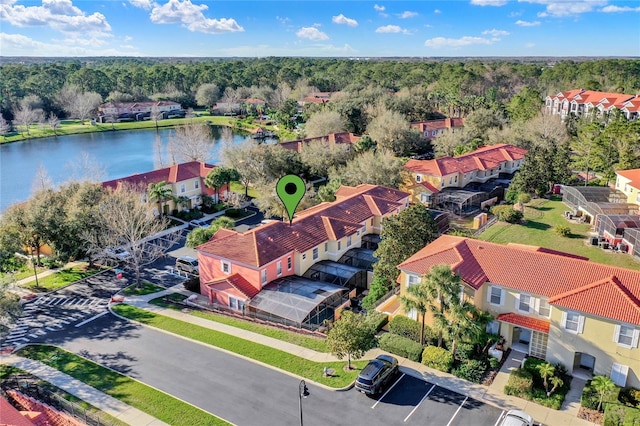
63, 278
541, 217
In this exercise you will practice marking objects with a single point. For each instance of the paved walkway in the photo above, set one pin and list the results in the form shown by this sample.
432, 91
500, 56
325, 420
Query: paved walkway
493, 394
102, 401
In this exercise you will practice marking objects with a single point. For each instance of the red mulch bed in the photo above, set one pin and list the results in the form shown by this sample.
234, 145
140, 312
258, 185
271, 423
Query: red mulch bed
590, 415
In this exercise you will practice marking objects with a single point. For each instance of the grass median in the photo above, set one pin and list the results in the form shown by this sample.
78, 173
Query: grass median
152, 401
63, 277
268, 355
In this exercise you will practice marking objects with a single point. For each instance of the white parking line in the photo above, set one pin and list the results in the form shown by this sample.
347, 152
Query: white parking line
72, 301
385, 394
91, 319
500, 418
457, 411
421, 401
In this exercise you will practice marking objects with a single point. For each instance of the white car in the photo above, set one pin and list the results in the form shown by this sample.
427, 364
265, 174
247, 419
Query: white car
516, 418
198, 223
117, 253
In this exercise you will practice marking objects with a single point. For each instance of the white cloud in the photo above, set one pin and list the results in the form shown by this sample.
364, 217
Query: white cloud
489, 2
127, 39
191, 16
21, 45
392, 29
407, 14
282, 20
437, 11
566, 8
496, 33
60, 15
341, 19
522, 23
312, 33
439, 42
529, 45
142, 4
615, 9
379, 8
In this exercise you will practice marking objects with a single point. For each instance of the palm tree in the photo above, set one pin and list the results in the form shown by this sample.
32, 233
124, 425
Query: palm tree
556, 382
546, 370
419, 298
465, 322
603, 385
159, 192
443, 286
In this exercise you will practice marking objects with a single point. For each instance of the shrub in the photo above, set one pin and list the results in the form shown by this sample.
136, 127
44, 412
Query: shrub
406, 327
591, 397
377, 319
401, 346
234, 213
465, 351
192, 284
438, 358
520, 383
507, 214
619, 415
554, 401
494, 363
377, 290
630, 397
562, 230
472, 370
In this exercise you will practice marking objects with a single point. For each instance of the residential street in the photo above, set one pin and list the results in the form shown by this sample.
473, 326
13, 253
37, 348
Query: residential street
246, 393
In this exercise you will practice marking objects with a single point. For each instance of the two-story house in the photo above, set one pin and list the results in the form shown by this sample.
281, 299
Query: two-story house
236, 266
551, 305
428, 177
628, 181
430, 129
581, 101
185, 180
120, 109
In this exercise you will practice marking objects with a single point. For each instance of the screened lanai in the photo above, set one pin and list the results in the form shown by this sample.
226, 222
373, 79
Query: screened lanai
361, 258
297, 301
616, 225
370, 241
632, 239
338, 274
459, 201
595, 200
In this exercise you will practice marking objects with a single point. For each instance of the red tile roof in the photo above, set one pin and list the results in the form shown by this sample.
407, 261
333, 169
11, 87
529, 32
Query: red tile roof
9, 415
570, 282
526, 322
633, 175
441, 124
237, 282
430, 187
608, 99
309, 229
485, 158
172, 174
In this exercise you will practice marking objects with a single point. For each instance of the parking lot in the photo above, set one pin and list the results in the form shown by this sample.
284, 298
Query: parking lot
410, 400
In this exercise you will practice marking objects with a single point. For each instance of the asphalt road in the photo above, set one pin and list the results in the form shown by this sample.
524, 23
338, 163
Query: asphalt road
247, 393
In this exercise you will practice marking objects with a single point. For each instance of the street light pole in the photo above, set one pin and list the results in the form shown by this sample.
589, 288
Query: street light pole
303, 392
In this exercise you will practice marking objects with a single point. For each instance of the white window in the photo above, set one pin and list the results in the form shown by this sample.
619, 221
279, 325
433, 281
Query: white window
413, 280
619, 374
225, 266
418, 178
326, 247
315, 253
573, 322
183, 188
495, 295
434, 132
493, 327
544, 310
349, 241
523, 303
264, 276
625, 336
197, 184
289, 263
339, 245
279, 268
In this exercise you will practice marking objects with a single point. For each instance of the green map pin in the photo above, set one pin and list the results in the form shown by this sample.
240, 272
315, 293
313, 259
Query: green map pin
290, 189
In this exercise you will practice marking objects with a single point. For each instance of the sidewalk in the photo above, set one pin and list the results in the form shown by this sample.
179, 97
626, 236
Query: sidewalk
493, 394
20, 291
102, 401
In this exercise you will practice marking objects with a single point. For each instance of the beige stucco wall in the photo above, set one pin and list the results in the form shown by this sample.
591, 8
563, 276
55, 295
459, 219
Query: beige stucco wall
622, 184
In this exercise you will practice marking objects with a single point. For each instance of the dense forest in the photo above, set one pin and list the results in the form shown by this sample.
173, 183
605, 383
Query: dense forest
455, 81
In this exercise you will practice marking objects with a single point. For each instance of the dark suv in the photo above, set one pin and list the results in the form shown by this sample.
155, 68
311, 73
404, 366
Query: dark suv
377, 374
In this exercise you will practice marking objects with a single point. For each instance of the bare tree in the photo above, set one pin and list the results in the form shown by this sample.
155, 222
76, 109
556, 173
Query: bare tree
67, 96
158, 149
269, 203
86, 168
390, 130
54, 123
279, 95
230, 98
247, 158
124, 220
156, 114
41, 180
26, 116
323, 123
85, 105
190, 142
5, 126
320, 156
111, 119
207, 94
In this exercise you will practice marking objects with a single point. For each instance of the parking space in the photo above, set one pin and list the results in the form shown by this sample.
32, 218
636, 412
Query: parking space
411, 400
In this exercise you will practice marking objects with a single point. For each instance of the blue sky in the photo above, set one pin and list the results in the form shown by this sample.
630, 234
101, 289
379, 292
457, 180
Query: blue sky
319, 28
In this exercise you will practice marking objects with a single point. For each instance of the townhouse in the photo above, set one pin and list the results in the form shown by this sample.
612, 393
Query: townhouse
628, 181
430, 129
548, 304
332, 139
237, 268
581, 101
132, 109
185, 180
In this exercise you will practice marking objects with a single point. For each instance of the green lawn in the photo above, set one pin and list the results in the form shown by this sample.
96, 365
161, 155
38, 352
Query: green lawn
145, 288
542, 216
315, 343
239, 188
22, 273
62, 278
153, 402
283, 360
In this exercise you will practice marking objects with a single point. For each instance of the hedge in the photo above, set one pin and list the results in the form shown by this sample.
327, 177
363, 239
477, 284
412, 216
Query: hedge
406, 327
377, 320
520, 383
619, 415
438, 358
472, 370
401, 346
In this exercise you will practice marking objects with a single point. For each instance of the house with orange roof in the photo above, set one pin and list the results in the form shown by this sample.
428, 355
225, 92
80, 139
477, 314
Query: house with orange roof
332, 139
186, 181
628, 181
237, 266
581, 101
548, 304
429, 129
426, 178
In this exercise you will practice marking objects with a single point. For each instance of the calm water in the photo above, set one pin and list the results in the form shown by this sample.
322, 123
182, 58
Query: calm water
118, 154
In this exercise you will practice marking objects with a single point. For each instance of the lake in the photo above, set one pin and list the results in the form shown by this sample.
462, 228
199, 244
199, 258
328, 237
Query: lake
118, 154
